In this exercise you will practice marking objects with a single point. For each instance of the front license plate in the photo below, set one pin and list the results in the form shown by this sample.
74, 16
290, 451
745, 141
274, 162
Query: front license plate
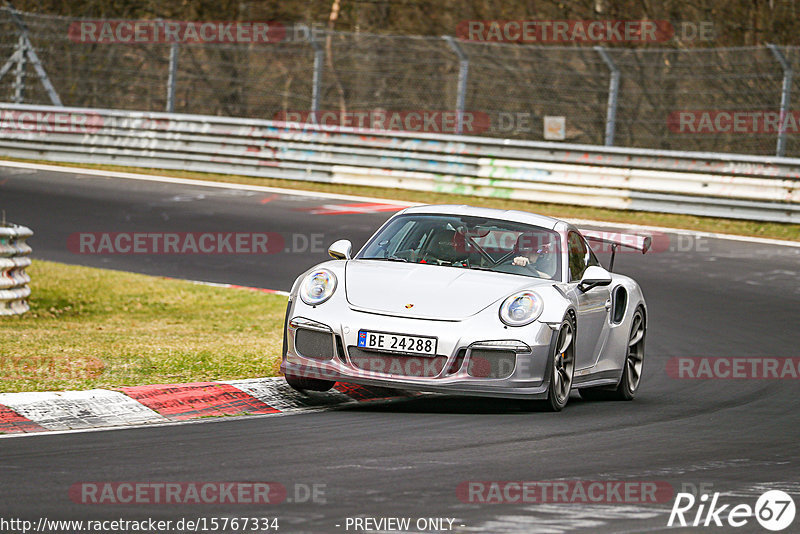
383, 341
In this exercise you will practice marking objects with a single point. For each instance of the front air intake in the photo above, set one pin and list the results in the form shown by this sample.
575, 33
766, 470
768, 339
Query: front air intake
313, 344
485, 363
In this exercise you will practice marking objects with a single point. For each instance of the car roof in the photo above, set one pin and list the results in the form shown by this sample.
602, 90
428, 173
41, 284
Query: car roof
524, 217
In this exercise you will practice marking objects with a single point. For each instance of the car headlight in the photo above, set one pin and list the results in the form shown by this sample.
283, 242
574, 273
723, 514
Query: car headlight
521, 308
318, 287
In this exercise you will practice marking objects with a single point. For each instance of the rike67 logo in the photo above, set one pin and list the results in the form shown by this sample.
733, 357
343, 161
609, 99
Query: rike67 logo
774, 510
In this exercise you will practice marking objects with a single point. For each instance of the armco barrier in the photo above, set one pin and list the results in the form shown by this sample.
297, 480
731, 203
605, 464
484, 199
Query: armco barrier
14, 290
707, 184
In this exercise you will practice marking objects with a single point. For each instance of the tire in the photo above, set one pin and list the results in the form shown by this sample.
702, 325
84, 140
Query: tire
308, 384
561, 369
632, 367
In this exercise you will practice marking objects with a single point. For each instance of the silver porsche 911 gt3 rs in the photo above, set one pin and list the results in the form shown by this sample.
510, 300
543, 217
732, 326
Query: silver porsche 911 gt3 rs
472, 301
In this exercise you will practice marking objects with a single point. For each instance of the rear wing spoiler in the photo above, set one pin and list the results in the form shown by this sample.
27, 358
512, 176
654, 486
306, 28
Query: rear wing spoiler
617, 239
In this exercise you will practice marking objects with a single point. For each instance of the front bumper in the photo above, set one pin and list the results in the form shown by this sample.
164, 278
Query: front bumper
476, 356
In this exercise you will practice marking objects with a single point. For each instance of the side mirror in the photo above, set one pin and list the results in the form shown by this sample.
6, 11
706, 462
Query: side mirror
340, 250
594, 277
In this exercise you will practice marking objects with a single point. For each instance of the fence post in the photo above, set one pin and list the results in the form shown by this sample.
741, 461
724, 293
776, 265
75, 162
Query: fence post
463, 72
786, 90
316, 80
171, 78
31, 54
19, 72
613, 90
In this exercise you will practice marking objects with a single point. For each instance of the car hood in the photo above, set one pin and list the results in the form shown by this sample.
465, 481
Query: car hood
436, 292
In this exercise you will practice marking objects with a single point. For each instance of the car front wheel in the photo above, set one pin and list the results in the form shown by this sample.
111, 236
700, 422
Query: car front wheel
561, 367
308, 384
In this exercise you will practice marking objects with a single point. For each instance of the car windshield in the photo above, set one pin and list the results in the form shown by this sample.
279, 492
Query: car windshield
468, 242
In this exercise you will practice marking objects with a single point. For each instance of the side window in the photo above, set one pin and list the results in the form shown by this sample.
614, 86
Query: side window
578, 256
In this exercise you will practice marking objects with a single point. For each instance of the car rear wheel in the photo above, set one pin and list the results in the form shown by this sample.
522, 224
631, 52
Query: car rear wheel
632, 369
308, 384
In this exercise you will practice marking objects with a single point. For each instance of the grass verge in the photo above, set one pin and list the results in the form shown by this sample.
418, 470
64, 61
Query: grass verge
690, 222
92, 328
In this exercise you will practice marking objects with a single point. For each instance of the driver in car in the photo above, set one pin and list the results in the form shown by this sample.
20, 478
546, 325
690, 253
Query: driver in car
533, 253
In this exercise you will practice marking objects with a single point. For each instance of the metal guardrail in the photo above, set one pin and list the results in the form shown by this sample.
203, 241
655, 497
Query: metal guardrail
706, 184
14, 251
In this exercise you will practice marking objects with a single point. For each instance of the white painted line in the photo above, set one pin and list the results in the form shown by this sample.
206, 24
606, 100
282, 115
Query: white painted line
67, 410
202, 183
235, 286
312, 194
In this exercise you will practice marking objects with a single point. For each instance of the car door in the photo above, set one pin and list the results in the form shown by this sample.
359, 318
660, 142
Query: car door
593, 305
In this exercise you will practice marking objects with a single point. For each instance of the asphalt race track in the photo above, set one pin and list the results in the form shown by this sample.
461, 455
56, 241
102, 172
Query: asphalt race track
706, 297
